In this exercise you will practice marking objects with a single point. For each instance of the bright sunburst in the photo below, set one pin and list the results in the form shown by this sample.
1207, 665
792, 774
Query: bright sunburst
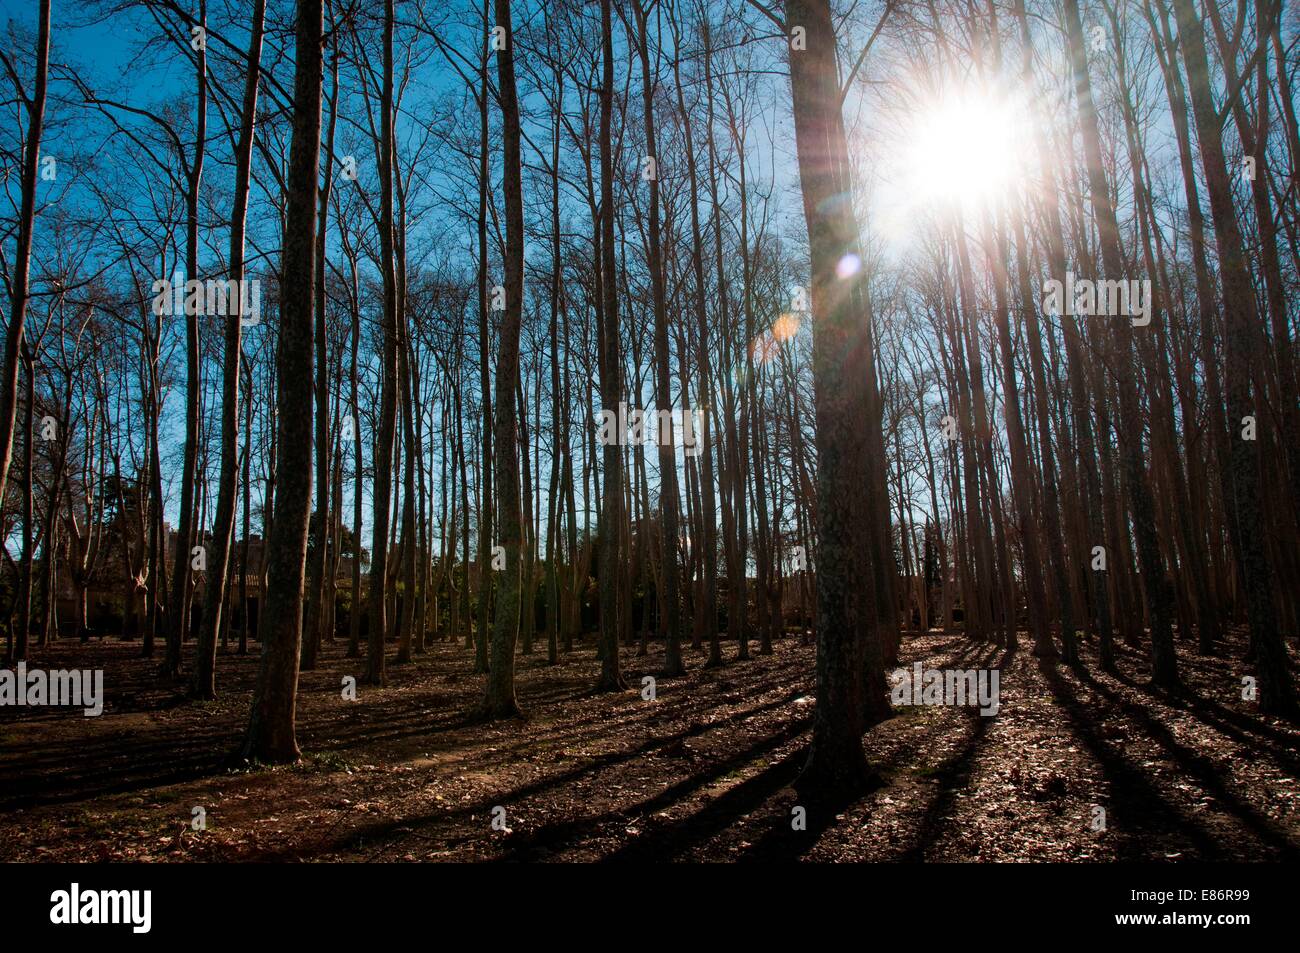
956, 150
965, 148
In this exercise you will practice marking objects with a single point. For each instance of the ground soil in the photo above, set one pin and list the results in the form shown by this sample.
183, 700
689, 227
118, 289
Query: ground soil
704, 772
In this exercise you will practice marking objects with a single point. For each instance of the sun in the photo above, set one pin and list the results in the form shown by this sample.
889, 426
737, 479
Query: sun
957, 150
966, 147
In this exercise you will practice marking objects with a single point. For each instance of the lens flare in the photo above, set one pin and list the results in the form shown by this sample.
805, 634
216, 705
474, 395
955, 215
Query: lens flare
785, 327
848, 266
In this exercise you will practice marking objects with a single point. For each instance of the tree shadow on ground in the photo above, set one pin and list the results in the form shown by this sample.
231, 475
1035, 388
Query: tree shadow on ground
1201, 768
1145, 815
556, 838
663, 842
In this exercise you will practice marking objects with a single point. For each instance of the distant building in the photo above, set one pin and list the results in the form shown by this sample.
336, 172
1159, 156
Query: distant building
109, 586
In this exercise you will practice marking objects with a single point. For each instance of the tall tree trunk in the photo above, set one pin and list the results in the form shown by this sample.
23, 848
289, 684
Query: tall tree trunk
1021, 474
499, 698
668, 495
216, 595
178, 623
611, 384
708, 539
383, 460
321, 521
271, 730
486, 499
20, 288
845, 613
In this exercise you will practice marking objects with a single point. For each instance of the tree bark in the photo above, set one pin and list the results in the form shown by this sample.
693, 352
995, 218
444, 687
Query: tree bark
271, 729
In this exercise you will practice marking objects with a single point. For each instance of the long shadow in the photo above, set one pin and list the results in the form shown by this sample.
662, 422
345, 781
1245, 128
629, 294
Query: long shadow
782, 843
971, 647
97, 778
601, 724
953, 775
70, 772
359, 737
1135, 797
387, 827
736, 802
952, 643
555, 836
707, 821
634, 712
1242, 727
39, 774
382, 726
1203, 769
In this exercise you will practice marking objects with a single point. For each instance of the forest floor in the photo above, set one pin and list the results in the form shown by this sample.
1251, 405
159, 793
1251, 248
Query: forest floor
702, 773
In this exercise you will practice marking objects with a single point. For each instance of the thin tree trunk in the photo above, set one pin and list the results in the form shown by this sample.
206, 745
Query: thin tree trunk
20, 289
218, 578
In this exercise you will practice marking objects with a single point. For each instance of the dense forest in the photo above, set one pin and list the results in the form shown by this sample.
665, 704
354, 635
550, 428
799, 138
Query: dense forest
652, 429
